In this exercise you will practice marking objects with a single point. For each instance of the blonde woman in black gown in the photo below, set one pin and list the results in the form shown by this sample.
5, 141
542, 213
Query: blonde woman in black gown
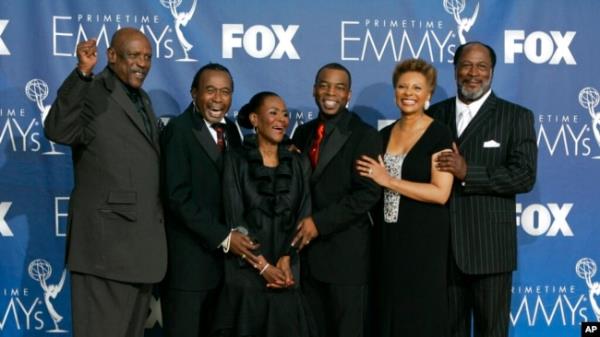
412, 238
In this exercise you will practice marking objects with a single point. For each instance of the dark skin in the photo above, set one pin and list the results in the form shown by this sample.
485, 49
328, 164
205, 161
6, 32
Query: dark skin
332, 93
452, 162
129, 56
87, 56
214, 89
242, 246
130, 49
270, 122
474, 64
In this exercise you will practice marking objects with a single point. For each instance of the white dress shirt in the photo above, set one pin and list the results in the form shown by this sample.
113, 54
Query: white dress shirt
466, 112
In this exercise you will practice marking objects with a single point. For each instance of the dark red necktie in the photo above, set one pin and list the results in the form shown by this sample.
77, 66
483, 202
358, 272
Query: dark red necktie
316, 145
220, 128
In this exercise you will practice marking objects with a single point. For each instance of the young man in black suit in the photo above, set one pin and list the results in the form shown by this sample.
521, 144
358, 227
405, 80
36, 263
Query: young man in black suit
336, 235
193, 145
116, 239
494, 158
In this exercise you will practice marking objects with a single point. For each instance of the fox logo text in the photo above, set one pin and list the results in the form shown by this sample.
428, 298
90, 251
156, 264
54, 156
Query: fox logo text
539, 47
260, 41
3, 49
4, 229
551, 219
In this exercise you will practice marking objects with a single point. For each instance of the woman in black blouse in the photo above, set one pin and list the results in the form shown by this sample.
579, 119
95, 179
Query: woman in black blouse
265, 194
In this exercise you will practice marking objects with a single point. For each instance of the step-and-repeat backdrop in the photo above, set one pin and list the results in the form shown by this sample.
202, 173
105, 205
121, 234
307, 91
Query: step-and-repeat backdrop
548, 54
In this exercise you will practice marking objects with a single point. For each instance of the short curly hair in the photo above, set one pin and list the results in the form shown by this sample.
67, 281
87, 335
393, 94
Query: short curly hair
419, 66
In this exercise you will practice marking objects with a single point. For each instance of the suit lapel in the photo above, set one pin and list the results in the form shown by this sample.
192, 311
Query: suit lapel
153, 122
333, 144
232, 134
311, 129
206, 140
482, 116
119, 95
452, 119
202, 134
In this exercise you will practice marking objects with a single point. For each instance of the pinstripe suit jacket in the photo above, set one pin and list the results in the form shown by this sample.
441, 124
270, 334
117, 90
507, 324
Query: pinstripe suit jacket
500, 150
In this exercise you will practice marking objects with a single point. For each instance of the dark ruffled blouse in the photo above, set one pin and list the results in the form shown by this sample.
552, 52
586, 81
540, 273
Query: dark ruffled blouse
268, 202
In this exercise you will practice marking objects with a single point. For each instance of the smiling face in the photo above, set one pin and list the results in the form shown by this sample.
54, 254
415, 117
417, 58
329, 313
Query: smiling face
332, 91
212, 95
473, 73
271, 120
130, 56
412, 91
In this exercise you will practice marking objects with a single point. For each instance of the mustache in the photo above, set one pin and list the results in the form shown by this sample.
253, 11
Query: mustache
477, 93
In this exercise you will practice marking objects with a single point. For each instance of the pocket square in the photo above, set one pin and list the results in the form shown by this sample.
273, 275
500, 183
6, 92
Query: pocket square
491, 144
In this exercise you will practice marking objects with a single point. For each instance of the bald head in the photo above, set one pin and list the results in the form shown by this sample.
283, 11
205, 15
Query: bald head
130, 56
125, 34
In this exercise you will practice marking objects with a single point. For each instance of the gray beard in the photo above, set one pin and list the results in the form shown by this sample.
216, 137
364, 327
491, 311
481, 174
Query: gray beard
474, 95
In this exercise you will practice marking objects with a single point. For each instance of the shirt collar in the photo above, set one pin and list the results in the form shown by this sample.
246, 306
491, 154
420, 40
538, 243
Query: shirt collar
472, 107
208, 124
128, 89
331, 121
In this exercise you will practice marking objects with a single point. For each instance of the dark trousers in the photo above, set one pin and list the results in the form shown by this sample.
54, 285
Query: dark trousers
339, 310
102, 307
188, 313
483, 298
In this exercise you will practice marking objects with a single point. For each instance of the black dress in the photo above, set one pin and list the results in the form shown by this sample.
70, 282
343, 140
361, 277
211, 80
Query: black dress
413, 248
268, 203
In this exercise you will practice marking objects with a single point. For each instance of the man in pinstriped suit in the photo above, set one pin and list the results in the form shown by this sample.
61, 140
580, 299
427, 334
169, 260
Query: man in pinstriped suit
494, 158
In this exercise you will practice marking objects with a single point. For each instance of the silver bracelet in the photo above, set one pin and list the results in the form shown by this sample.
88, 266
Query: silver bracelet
264, 269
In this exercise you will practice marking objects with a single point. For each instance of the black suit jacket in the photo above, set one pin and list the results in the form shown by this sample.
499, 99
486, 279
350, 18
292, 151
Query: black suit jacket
500, 149
116, 228
341, 199
192, 173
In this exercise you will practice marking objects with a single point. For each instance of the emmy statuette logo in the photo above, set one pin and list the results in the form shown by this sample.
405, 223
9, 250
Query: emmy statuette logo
586, 268
455, 8
589, 99
40, 270
37, 91
181, 18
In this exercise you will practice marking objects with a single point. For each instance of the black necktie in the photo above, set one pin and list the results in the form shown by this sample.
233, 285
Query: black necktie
137, 101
